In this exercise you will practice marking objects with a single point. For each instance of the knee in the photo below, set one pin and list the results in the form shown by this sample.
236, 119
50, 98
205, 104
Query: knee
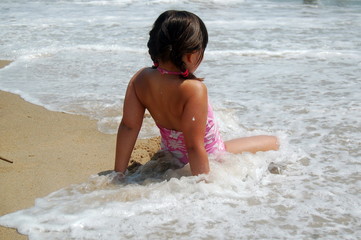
274, 143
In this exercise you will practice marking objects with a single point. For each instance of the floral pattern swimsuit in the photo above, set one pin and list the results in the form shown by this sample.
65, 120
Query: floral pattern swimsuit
173, 140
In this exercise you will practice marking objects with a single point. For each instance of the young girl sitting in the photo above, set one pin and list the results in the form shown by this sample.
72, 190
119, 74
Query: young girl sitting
176, 99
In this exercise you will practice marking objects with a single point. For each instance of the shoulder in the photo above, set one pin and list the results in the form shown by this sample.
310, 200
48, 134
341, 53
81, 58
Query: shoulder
140, 79
193, 87
142, 74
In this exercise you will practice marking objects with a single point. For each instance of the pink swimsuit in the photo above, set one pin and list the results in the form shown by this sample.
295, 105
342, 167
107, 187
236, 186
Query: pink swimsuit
173, 140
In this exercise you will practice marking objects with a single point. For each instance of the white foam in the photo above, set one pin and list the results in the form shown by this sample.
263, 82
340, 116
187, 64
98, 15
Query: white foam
103, 210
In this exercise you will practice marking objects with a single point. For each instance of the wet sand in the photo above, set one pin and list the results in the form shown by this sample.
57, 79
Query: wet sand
44, 151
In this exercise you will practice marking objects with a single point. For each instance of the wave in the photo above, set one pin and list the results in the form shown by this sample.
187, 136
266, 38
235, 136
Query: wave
104, 208
309, 53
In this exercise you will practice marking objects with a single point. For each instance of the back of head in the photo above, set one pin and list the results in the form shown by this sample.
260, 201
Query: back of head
174, 34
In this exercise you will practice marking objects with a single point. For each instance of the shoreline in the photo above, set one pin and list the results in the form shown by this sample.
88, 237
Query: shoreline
4, 63
49, 151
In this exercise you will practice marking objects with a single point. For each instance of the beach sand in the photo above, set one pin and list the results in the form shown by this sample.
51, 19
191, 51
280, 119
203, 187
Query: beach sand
49, 151
4, 63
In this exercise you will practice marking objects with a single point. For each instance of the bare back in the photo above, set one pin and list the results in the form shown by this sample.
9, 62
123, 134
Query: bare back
166, 96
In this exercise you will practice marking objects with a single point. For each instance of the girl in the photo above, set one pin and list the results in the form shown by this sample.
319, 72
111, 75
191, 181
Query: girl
176, 99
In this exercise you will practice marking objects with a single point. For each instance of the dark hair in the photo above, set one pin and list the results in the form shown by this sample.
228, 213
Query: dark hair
174, 34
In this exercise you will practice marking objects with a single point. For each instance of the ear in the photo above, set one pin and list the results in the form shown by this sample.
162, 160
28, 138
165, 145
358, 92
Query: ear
190, 58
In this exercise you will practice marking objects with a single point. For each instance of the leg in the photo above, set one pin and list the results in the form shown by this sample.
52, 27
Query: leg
252, 144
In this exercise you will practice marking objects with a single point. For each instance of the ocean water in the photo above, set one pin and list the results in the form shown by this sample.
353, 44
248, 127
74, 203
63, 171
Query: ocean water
288, 68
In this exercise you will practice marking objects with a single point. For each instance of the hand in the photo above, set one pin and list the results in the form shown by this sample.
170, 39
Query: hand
117, 177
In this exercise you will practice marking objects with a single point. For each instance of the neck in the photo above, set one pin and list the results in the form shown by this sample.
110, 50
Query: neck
172, 70
169, 66
164, 71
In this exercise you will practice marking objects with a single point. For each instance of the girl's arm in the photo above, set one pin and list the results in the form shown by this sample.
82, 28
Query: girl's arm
133, 113
194, 121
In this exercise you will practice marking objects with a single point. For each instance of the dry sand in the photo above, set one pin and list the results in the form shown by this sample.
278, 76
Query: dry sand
49, 151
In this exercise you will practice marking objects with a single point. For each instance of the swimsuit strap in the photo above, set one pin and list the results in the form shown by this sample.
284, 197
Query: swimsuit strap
164, 71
